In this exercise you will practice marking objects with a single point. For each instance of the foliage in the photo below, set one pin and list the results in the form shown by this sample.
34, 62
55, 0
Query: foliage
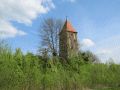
32, 72
89, 57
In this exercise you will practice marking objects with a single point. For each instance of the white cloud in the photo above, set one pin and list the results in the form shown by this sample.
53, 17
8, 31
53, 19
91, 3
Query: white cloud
21, 11
106, 36
109, 48
7, 30
87, 42
104, 51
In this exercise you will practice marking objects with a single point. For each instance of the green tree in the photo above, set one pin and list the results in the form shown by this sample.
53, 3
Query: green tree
31, 59
18, 56
89, 57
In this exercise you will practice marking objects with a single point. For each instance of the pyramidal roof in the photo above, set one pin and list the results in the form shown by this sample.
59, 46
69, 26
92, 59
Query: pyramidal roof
68, 26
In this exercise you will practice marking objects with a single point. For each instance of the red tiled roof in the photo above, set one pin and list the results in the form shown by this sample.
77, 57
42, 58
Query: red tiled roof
69, 27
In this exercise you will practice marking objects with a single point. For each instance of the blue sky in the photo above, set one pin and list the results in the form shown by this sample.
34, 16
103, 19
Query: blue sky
96, 21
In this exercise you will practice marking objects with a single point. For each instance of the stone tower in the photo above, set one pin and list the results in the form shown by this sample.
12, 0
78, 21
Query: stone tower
68, 44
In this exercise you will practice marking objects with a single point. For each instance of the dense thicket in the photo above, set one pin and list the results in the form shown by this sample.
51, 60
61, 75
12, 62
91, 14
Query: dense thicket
33, 72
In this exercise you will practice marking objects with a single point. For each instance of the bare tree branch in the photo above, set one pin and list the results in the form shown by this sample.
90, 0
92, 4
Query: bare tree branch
49, 35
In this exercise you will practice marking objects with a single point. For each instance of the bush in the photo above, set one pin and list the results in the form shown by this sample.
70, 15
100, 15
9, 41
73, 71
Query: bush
30, 72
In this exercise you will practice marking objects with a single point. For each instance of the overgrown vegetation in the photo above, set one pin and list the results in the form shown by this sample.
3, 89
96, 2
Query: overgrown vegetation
20, 71
33, 72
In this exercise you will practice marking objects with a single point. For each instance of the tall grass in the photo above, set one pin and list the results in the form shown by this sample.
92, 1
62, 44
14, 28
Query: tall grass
30, 72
